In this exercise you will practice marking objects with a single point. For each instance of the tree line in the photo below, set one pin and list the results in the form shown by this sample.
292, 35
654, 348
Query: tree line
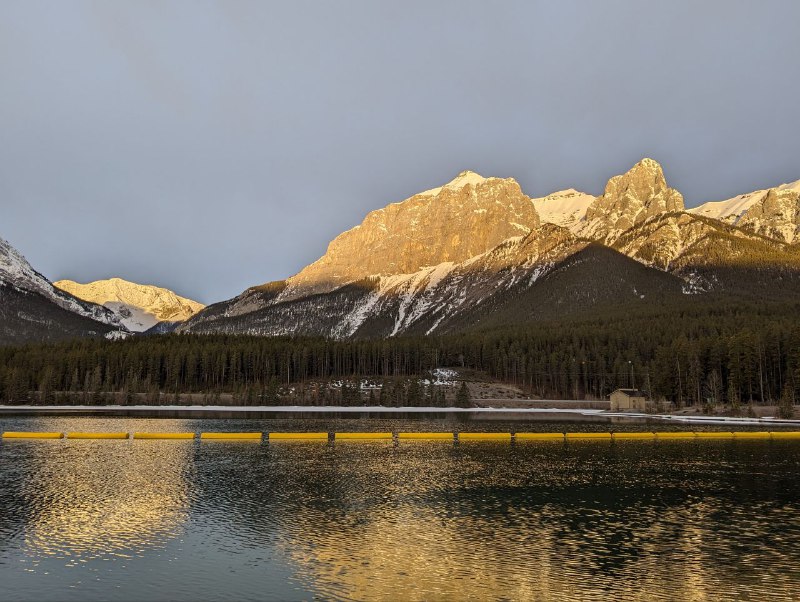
727, 354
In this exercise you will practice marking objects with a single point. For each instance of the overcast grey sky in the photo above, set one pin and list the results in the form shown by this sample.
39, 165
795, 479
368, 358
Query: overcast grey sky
211, 146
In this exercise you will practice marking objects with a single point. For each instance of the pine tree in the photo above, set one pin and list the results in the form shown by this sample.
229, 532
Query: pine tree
786, 405
463, 398
414, 393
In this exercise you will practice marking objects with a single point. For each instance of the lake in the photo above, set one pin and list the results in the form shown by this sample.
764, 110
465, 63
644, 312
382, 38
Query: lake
536, 520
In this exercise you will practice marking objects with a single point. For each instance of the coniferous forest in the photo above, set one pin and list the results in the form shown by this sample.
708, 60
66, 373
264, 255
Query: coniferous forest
726, 354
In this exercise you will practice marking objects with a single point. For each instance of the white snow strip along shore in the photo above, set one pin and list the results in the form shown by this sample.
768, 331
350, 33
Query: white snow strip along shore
682, 418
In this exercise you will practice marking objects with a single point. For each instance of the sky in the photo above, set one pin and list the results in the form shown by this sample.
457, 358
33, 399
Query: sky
211, 146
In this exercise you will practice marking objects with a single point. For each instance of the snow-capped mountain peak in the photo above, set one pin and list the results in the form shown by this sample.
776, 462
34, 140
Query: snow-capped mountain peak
465, 178
139, 306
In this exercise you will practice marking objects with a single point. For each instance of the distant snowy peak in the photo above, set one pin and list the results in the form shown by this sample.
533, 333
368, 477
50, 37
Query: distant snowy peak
15, 271
774, 212
139, 306
566, 208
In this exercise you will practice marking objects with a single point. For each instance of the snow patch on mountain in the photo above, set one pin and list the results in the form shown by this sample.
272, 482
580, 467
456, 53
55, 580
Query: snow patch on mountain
133, 318
774, 212
730, 210
565, 208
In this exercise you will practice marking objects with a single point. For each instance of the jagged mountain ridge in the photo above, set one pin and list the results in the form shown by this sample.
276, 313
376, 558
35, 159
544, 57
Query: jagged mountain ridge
139, 306
638, 216
31, 308
475, 252
630, 199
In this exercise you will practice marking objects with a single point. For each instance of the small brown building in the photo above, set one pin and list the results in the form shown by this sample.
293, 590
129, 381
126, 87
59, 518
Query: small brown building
628, 399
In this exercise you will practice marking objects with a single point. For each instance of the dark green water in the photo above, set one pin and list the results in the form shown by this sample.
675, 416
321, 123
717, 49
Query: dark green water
592, 520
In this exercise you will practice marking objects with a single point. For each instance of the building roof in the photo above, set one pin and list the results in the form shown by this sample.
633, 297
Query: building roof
631, 392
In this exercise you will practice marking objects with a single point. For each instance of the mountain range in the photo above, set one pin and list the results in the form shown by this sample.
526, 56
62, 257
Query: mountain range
479, 252
34, 309
475, 252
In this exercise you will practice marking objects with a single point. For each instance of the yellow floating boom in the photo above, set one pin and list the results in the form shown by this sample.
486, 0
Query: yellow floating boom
675, 435
27, 435
785, 434
588, 435
225, 436
539, 436
296, 436
634, 435
427, 436
362, 436
97, 435
163, 435
484, 436
433, 436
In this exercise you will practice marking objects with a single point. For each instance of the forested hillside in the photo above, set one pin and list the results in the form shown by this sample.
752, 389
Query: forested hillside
720, 354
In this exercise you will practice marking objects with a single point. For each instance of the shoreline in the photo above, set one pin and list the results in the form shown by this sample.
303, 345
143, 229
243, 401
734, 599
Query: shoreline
211, 411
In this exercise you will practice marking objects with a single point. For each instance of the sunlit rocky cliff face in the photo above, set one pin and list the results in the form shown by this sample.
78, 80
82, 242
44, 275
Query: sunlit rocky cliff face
630, 199
462, 219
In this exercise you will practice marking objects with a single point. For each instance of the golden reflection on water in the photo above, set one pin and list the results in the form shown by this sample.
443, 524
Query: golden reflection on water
482, 544
106, 498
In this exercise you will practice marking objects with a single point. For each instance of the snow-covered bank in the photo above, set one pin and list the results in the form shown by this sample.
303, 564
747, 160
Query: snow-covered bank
728, 420
294, 409
601, 414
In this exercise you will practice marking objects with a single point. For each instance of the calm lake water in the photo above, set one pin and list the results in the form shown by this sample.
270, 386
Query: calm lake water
592, 520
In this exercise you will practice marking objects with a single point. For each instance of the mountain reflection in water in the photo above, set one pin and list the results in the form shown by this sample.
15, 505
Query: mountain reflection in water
420, 520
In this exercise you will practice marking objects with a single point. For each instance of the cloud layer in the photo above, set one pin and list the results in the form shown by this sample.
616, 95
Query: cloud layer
207, 147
